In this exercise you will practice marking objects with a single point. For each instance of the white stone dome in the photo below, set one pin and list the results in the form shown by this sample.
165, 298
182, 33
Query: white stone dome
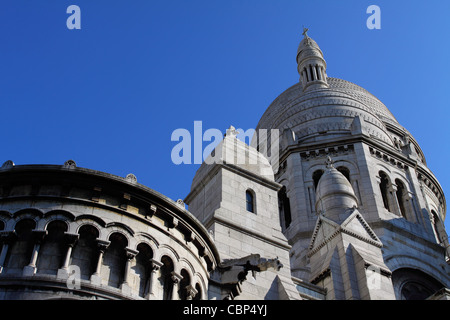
327, 112
320, 108
236, 153
334, 193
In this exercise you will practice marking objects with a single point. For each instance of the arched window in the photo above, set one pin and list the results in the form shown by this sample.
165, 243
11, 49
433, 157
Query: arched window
384, 189
184, 285
250, 201
412, 284
20, 253
400, 193
165, 278
85, 252
344, 171
316, 177
436, 227
284, 207
142, 268
52, 249
114, 260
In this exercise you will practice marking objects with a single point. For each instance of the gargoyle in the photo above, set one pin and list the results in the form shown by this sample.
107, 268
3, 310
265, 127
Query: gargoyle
235, 270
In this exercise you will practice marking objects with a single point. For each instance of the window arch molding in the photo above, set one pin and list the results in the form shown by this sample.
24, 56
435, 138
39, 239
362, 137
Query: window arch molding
46, 222
349, 165
414, 284
143, 237
86, 222
166, 250
32, 214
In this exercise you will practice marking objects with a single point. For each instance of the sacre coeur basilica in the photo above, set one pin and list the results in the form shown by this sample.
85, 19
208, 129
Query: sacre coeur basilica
344, 209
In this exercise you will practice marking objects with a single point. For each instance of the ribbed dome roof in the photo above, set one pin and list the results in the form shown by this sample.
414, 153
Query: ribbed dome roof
308, 47
327, 110
322, 108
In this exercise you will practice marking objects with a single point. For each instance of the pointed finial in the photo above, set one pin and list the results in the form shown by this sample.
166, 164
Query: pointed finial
231, 131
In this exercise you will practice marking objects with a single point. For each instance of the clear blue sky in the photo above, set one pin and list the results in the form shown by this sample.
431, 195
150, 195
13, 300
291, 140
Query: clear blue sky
110, 95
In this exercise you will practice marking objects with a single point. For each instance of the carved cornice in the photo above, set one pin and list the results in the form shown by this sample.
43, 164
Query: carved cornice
388, 158
323, 275
328, 151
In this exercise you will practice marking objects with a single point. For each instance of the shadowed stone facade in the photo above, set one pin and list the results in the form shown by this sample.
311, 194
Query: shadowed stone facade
122, 240
346, 208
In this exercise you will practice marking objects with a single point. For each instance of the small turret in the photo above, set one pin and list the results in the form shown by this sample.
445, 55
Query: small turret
334, 194
311, 64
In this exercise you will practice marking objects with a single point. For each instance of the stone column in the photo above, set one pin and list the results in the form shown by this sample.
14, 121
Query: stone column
38, 237
313, 67
410, 206
378, 180
6, 237
154, 267
70, 240
312, 199
317, 72
308, 71
176, 278
125, 287
102, 245
393, 197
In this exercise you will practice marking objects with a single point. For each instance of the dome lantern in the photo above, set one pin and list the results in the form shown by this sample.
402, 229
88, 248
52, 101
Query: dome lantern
311, 64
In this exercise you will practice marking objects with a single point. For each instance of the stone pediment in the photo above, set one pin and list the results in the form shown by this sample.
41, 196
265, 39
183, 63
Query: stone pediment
357, 226
354, 225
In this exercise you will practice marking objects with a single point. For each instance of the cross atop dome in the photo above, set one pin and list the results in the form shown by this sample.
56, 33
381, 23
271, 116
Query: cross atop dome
305, 32
329, 163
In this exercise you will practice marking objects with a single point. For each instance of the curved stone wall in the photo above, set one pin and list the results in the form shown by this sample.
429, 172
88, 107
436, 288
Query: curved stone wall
74, 233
